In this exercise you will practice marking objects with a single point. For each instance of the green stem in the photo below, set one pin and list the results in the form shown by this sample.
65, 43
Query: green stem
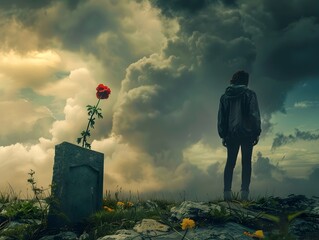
185, 234
87, 127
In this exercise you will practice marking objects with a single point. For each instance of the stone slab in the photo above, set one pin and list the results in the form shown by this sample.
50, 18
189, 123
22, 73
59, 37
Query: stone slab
77, 184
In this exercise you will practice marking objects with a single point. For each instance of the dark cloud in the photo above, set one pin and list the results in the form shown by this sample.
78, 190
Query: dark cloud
271, 179
285, 12
176, 7
37, 4
74, 29
294, 50
159, 113
73, 4
219, 37
282, 139
264, 169
24, 4
169, 98
169, 8
102, 29
314, 176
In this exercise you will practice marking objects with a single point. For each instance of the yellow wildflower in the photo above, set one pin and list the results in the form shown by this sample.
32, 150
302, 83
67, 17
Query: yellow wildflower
108, 209
258, 234
120, 204
187, 223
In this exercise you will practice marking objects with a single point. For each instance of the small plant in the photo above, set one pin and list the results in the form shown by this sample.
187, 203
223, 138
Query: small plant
8, 196
21, 232
165, 205
103, 92
187, 224
26, 212
235, 196
109, 220
38, 195
22, 209
220, 215
38, 192
283, 221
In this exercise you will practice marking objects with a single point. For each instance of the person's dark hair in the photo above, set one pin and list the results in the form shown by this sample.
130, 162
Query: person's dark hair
240, 78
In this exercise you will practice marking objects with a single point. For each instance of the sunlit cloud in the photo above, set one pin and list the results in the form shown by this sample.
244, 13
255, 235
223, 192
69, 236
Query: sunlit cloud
167, 63
31, 69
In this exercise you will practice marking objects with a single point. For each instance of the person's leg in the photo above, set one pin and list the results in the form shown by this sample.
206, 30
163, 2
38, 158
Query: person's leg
246, 153
232, 152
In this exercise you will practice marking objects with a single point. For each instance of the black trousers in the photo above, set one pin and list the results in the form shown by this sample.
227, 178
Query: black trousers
246, 145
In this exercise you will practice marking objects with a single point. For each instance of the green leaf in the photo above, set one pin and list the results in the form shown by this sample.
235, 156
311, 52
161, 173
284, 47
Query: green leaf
92, 122
79, 140
271, 217
99, 115
294, 215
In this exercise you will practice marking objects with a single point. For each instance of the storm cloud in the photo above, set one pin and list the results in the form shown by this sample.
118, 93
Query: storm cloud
282, 139
167, 63
274, 180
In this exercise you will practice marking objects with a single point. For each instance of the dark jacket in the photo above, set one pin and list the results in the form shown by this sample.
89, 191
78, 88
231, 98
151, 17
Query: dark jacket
238, 115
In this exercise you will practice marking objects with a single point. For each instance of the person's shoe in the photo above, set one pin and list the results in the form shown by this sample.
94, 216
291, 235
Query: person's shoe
244, 195
227, 195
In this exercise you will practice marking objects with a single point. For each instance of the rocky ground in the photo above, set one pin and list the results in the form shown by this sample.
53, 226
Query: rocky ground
294, 217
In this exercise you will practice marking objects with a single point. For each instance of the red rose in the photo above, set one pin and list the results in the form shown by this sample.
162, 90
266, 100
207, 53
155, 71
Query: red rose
102, 91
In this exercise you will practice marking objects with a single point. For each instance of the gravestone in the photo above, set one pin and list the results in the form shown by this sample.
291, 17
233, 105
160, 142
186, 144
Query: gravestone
77, 185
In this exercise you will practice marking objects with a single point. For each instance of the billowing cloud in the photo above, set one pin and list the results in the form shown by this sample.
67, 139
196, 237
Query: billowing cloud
264, 169
282, 139
306, 104
274, 180
167, 63
29, 70
24, 122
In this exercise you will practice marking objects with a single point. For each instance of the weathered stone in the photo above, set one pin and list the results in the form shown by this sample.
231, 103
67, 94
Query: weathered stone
122, 235
151, 227
301, 227
14, 225
221, 232
77, 184
5, 238
236, 209
61, 236
84, 236
147, 205
315, 211
193, 210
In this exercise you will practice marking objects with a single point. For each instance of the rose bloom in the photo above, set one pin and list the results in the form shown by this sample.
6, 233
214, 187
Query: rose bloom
102, 91
187, 223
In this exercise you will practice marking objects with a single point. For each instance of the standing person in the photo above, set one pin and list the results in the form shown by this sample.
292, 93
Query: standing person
238, 126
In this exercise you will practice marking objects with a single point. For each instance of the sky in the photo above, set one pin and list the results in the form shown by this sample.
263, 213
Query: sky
167, 64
